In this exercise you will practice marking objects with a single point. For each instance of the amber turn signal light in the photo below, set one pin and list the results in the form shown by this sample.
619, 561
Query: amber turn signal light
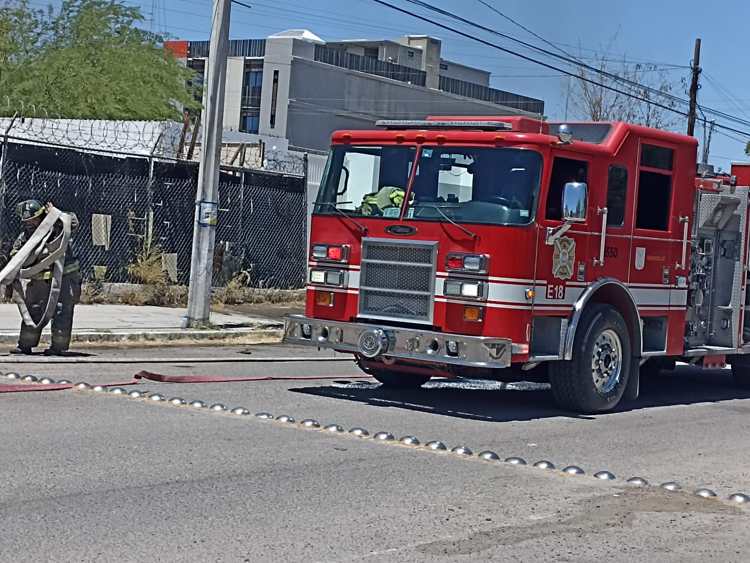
473, 313
324, 298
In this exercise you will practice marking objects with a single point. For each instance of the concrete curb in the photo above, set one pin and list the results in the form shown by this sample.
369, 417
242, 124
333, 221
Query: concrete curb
258, 334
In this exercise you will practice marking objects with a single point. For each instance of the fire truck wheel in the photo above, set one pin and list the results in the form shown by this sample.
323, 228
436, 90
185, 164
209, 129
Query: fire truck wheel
396, 380
596, 378
741, 371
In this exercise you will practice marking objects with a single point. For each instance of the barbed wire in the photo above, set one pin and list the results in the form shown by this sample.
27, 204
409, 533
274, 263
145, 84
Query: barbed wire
28, 122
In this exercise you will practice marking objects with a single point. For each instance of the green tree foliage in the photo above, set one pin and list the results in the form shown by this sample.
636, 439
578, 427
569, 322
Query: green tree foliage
87, 59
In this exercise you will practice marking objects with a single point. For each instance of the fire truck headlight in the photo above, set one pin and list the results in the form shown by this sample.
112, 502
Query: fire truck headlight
334, 277
320, 251
453, 288
317, 276
471, 289
473, 263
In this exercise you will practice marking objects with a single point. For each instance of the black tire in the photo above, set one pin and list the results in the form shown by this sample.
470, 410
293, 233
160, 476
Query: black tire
399, 380
573, 385
741, 371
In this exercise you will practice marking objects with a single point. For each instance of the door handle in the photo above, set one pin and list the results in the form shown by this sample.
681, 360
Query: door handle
685, 222
603, 211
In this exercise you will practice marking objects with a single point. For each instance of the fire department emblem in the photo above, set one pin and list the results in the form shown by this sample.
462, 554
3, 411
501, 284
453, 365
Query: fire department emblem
563, 258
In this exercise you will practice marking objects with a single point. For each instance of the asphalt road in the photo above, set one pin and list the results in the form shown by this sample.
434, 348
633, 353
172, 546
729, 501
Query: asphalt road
93, 476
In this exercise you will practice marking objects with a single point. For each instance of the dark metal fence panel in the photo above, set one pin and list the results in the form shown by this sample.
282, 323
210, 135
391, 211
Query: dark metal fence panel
481, 92
262, 221
237, 48
370, 65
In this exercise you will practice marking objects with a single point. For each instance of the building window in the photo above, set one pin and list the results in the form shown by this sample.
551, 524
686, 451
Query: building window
410, 54
617, 187
274, 96
254, 78
443, 66
564, 170
372, 52
250, 122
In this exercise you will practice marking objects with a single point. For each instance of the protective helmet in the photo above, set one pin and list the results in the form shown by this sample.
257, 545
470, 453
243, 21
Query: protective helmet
30, 209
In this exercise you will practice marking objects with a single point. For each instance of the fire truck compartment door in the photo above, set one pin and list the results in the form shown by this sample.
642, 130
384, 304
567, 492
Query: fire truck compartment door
717, 270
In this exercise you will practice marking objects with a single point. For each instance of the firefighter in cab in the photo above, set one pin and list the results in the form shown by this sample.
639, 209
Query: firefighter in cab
38, 289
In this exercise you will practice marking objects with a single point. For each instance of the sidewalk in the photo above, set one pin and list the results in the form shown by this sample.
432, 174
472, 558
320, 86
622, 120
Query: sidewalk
118, 325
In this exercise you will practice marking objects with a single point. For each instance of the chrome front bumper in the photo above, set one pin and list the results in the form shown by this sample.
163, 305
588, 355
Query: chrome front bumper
373, 341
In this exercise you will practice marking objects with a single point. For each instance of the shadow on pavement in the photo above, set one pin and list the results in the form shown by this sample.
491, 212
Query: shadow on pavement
494, 401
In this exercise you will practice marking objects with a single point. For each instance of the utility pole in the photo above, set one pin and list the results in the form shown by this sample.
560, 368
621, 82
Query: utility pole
694, 87
207, 196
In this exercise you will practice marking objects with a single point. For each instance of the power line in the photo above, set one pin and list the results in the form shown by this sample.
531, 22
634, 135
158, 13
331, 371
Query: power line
568, 60
248, 6
547, 65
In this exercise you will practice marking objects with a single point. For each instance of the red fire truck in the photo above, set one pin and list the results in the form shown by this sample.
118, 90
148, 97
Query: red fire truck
511, 248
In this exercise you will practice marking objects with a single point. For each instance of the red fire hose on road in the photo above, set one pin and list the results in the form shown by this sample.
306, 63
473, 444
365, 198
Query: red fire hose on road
161, 378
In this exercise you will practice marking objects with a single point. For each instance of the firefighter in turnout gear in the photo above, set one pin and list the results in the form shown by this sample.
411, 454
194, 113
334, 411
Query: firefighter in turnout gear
32, 213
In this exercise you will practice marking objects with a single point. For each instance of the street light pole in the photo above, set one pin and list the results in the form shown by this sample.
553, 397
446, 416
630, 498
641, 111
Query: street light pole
207, 196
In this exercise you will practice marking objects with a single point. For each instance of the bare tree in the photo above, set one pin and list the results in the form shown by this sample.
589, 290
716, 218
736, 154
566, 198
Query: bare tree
635, 100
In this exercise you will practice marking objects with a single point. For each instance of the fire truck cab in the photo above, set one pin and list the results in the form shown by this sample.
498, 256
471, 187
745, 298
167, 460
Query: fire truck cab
512, 248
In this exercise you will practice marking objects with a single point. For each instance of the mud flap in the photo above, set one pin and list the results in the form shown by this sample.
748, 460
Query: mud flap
633, 388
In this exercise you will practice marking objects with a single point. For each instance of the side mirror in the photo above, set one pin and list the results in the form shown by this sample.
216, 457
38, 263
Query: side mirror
575, 201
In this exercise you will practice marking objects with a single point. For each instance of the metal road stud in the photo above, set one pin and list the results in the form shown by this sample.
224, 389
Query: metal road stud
637, 481
217, 407
310, 423
177, 401
198, 404
462, 450
544, 464
384, 436
82, 386
436, 445
99, 388
285, 418
739, 498
515, 460
135, 394
333, 428
156, 397
605, 475
488, 455
29, 378
64, 382
240, 411
573, 470
359, 432
705, 493
46, 381
409, 441
117, 391
264, 415
670, 486
12, 375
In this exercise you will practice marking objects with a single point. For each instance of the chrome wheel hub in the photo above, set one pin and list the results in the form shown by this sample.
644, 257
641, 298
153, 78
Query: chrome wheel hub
606, 363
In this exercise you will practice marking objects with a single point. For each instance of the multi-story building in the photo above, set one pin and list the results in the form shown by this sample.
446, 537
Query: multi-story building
296, 88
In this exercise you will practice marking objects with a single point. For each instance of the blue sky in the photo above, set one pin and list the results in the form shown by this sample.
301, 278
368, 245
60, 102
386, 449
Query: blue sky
660, 31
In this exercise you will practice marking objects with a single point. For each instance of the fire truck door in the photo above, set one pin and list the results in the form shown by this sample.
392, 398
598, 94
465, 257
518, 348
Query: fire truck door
563, 248
610, 242
717, 271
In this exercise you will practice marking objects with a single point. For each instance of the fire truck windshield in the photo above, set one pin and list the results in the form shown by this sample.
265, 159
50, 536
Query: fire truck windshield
365, 181
476, 185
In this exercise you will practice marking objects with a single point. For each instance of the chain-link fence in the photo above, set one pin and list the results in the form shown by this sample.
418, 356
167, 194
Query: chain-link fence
128, 204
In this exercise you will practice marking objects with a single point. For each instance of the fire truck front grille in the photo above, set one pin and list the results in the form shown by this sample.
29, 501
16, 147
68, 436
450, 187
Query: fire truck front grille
397, 280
